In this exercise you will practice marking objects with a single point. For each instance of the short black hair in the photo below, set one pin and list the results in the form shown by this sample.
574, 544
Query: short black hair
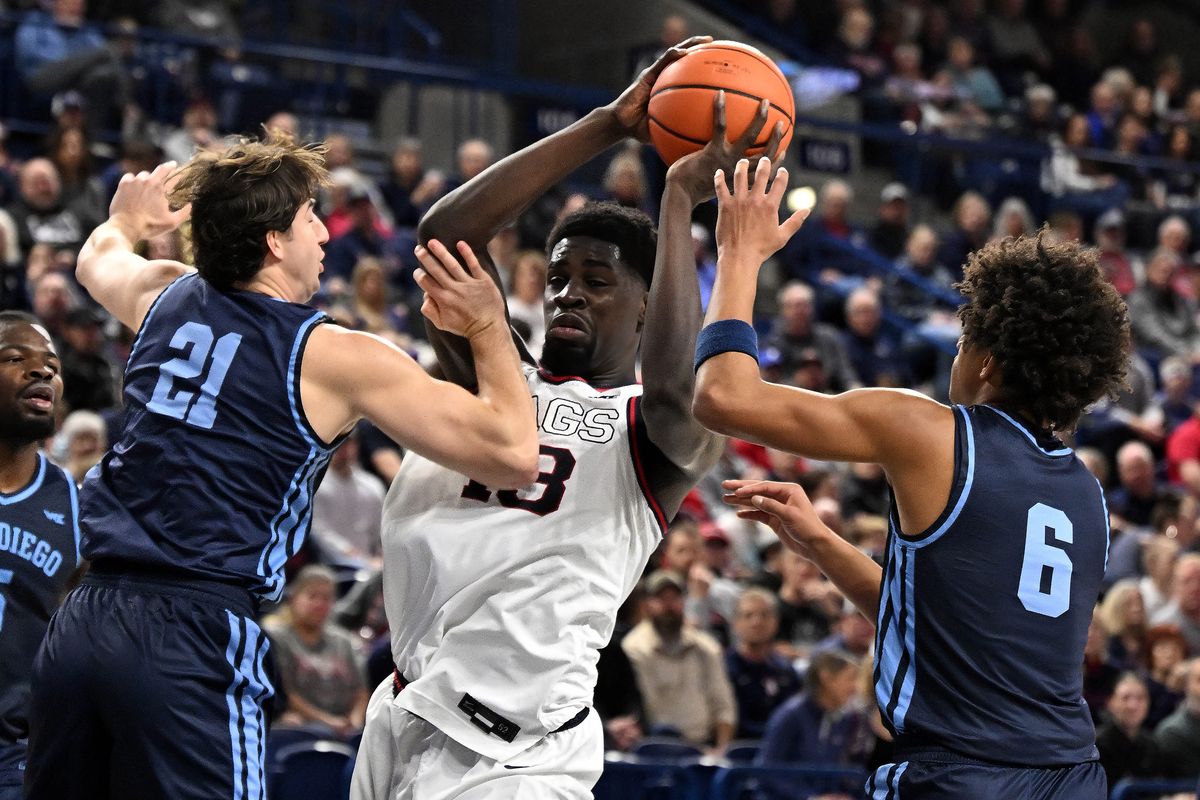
19, 316
1056, 326
629, 229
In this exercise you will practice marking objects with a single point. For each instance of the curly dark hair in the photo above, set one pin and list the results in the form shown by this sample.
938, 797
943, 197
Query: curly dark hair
239, 194
629, 229
1055, 325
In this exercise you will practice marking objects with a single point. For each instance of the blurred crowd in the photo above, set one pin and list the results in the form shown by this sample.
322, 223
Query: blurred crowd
729, 638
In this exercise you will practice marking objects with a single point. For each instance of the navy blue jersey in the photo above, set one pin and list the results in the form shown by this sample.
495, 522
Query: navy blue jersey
39, 551
215, 469
983, 617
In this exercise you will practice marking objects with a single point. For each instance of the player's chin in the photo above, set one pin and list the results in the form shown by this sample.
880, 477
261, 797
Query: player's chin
563, 355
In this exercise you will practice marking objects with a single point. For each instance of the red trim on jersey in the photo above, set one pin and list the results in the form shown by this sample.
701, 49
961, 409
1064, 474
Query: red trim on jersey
549, 377
640, 470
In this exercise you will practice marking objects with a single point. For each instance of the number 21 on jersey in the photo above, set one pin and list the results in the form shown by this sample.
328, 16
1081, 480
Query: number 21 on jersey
554, 482
195, 342
1045, 586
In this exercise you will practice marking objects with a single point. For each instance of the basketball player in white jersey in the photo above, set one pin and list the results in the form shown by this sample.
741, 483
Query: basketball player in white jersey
499, 600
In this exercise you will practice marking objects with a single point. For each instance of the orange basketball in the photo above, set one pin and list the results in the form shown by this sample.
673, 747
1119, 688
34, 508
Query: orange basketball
681, 102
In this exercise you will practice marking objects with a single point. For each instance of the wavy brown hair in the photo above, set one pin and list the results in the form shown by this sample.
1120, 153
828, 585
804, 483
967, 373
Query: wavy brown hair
1057, 328
240, 193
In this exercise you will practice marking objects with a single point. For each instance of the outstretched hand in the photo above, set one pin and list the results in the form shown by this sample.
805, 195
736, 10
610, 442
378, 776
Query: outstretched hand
140, 204
460, 297
630, 109
695, 171
748, 227
783, 506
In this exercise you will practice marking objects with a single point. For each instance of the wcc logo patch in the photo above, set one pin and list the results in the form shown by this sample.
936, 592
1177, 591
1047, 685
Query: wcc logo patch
56, 518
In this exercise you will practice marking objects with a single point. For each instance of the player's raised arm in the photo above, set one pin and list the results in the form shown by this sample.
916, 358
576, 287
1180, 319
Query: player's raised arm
115, 276
673, 313
890, 427
490, 436
475, 211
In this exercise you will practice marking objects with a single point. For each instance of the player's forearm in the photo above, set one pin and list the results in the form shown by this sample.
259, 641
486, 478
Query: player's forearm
509, 431
673, 319
475, 211
852, 571
115, 237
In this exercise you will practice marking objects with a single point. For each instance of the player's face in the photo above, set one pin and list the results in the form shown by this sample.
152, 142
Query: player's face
594, 308
30, 383
303, 252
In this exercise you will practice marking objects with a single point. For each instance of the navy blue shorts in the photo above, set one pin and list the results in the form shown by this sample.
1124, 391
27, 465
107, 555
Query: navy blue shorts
147, 688
955, 779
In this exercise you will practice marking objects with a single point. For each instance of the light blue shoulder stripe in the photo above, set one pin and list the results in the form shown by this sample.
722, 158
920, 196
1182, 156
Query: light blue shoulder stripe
962, 497
74, 514
1062, 451
1107, 523
293, 401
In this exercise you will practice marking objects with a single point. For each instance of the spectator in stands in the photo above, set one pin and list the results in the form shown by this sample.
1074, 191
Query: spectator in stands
370, 306
904, 298
819, 726
892, 225
89, 377
1176, 189
818, 251
410, 189
1099, 676
1141, 54
1168, 86
762, 680
197, 131
1184, 609
60, 51
1038, 120
1102, 116
137, 155
525, 298
1139, 491
795, 331
348, 506
81, 443
1164, 321
339, 152
1130, 142
68, 150
52, 299
874, 357
1175, 400
625, 180
1015, 47
12, 271
1013, 219
367, 235
1076, 183
680, 672
865, 491
852, 633
321, 672
851, 48
1127, 750
1158, 556
41, 215
1178, 736
1167, 652
808, 603
674, 29
1122, 268
472, 157
706, 261
1077, 67
1124, 618
971, 81
972, 226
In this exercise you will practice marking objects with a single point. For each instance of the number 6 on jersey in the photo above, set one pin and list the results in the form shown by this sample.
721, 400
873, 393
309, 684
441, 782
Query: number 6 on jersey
1043, 524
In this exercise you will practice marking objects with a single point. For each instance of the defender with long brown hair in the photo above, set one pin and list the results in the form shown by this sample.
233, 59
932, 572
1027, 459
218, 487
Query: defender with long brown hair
151, 681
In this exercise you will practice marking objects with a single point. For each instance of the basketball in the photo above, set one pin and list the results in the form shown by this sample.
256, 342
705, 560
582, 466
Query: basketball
681, 102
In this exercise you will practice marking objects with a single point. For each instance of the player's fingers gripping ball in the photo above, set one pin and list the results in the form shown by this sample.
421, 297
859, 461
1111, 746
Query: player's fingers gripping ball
681, 102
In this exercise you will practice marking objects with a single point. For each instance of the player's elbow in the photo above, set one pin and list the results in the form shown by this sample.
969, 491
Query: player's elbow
715, 405
515, 467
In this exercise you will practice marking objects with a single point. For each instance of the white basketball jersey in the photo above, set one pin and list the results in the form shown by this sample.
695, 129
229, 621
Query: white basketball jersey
499, 600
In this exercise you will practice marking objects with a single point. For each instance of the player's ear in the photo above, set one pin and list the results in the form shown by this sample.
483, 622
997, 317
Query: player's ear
989, 371
274, 243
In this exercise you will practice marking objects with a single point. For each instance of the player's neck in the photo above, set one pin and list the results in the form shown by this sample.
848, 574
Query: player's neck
18, 462
272, 282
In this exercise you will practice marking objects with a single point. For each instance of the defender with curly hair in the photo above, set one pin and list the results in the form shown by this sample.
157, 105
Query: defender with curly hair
151, 681
998, 533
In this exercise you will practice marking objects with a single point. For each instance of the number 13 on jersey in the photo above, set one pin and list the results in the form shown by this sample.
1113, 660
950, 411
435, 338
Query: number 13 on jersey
554, 482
